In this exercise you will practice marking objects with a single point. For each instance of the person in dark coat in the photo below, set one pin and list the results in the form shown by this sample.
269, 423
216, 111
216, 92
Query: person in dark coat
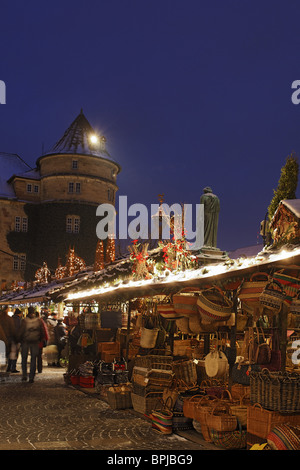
31, 334
15, 345
42, 344
8, 327
60, 338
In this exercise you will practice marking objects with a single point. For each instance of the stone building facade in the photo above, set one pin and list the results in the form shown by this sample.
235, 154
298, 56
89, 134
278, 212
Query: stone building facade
46, 209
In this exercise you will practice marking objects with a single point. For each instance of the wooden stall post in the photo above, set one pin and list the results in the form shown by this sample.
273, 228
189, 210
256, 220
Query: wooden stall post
128, 331
233, 339
283, 319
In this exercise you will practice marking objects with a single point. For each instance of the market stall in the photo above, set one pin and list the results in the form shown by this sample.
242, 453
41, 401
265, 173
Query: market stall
215, 331
208, 340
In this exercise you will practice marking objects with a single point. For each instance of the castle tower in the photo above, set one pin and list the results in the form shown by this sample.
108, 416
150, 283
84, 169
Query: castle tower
58, 201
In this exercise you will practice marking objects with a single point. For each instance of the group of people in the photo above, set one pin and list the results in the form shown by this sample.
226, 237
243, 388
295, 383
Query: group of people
30, 335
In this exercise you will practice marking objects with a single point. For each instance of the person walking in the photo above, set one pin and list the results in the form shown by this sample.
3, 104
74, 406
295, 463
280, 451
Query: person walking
52, 350
60, 339
31, 334
42, 344
15, 345
8, 328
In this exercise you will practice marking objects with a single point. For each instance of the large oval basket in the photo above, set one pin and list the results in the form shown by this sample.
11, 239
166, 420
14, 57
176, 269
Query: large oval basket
185, 302
213, 305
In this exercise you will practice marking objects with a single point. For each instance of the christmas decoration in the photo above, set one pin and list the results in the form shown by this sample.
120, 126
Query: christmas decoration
74, 263
176, 256
140, 259
110, 254
43, 274
60, 271
99, 257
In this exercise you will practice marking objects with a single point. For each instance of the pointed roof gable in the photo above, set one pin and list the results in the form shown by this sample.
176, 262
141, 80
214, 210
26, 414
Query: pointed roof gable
77, 140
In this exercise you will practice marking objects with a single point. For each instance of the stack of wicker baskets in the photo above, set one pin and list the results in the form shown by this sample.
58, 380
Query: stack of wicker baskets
151, 375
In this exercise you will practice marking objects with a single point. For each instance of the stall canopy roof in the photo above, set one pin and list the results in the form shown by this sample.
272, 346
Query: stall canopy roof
89, 285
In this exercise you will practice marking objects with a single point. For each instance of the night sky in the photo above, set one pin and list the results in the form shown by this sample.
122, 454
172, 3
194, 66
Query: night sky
188, 94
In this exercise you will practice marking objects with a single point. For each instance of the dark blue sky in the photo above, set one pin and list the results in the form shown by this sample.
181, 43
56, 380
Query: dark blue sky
188, 94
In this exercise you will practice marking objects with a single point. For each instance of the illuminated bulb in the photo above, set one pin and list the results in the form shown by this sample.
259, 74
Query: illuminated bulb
94, 139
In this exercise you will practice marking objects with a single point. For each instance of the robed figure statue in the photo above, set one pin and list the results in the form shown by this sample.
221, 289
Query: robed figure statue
211, 216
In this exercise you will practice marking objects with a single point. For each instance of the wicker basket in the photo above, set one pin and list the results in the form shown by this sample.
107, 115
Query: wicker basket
186, 371
214, 306
203, 407
161, 362
240, 411
291, 285
239, 391
119, 400
189, 405
167, 311
143, 390
185, 301
159, 377
272, 297
231, 440
276, 391
146, 404
148, 337
250, 291
220, 418
260, 421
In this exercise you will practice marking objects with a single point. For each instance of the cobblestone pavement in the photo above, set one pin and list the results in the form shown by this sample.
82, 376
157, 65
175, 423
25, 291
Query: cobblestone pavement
50, 415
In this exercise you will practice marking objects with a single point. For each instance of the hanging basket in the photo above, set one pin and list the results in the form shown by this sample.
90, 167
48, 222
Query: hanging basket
250, 291
185, 301
272, 297
290, 285
167, 311
148, 337
214, 306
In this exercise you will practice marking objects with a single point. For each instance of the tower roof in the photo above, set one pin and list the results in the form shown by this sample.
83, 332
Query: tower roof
77, 140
